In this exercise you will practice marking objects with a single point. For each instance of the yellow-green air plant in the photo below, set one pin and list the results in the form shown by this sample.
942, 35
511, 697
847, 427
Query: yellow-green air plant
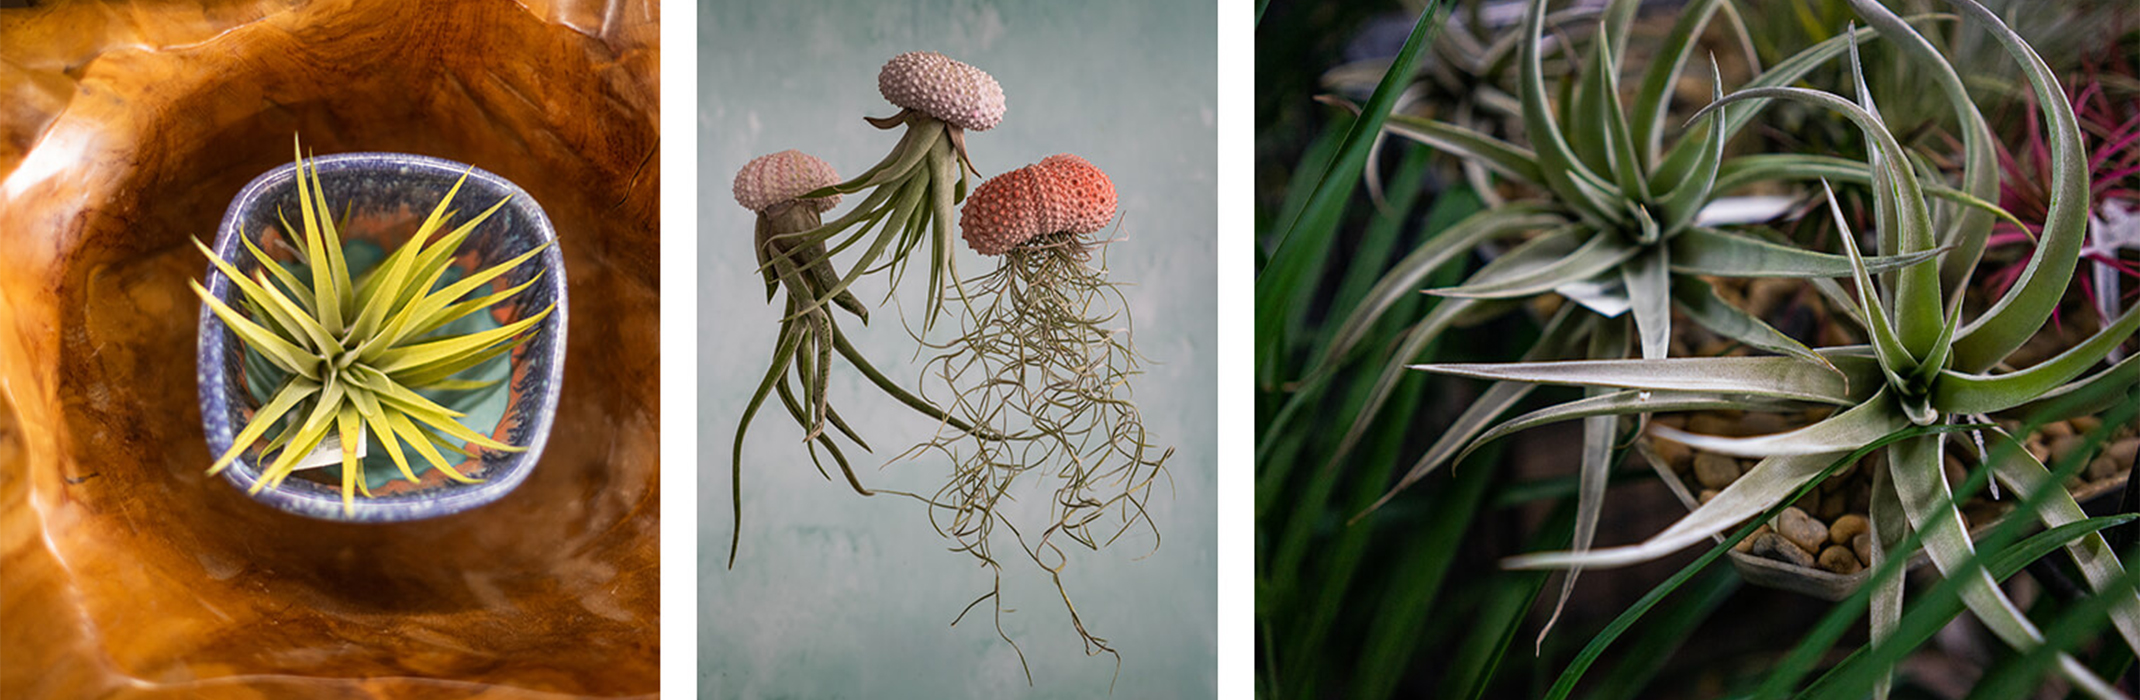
1924, 365
800, 373
914, 190
1044, 361
356, 352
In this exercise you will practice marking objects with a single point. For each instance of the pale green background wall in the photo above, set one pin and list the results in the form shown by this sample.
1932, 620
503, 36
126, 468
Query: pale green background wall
836, 595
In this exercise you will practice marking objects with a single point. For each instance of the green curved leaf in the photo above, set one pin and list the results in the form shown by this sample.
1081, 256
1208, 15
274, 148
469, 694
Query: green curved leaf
2022, 310
1708, 251
1622, 403
1740, 171
2089, 396
1578, 186
1407, 275
1600, 434
1699, 302
283, 353
1755, 491
1556, 340
1653, 99
294, 390
1980, 166
1842, 432
1918, 291
1415, 342
1687, 197
1957, 392
1542, 264
1774, 377
1895, 359
2091, 554
1649, 292
1914, 465
1509, 160
1680, 157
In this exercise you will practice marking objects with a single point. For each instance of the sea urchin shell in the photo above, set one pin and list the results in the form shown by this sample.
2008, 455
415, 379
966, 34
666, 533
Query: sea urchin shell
1086, 202
932, 83
1060, 194
772, 179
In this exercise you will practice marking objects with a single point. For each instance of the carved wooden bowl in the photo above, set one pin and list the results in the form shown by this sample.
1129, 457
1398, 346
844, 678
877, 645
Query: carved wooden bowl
126, 571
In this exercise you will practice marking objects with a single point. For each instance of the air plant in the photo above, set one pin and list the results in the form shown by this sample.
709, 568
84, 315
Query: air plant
1924, 366
1622, 233
2112, 129
775, 187
1465, 80
1040, 362
913, 191
359, 354
1470, 82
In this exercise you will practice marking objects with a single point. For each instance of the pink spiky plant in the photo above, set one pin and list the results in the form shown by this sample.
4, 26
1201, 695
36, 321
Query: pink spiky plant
2111, 126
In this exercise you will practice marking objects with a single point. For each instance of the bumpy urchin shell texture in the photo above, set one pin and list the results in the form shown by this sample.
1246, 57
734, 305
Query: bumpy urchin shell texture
771, 179
1087, 201
1061, 194
932, 83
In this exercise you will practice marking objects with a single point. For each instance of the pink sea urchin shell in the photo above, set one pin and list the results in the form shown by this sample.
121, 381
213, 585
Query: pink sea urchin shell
932, 83
772, 179
1061, 194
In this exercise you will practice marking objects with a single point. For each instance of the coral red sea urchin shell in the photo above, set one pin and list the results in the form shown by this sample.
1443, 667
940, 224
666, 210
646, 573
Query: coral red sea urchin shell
772, 179
932, 83
1060, 194
1087, 201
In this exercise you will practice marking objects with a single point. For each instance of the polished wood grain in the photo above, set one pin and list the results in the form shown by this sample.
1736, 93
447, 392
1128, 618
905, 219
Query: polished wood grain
125, 129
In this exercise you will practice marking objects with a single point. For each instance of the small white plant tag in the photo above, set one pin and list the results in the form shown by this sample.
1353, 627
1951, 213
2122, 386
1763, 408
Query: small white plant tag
330, 451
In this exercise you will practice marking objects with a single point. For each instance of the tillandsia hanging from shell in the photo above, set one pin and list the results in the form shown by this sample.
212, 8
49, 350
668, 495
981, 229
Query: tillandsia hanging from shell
774, 186
1044, 361
912, 192
360, 354
1925, 366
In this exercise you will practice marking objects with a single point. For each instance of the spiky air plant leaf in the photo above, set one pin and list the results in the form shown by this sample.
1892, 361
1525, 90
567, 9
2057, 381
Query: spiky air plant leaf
775, 187
1044, 360
1614, 225
2110, 122
1923, 372
357, 353
1469, 79
914, 190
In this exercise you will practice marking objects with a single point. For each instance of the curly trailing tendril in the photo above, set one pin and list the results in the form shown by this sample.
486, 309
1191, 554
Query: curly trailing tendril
809, 336
914, 191
1042, 362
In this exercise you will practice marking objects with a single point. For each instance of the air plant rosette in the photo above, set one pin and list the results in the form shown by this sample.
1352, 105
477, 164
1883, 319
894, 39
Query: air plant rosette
1819, 546
1044, 360
391, 317
774, 188
1929, 368
915, 189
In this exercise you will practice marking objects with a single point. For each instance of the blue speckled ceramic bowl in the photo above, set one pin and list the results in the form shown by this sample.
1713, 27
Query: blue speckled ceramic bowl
389, 194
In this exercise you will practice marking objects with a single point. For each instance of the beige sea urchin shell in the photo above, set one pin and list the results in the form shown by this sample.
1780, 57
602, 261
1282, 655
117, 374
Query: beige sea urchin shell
1060, 194
772, 179
932, 83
